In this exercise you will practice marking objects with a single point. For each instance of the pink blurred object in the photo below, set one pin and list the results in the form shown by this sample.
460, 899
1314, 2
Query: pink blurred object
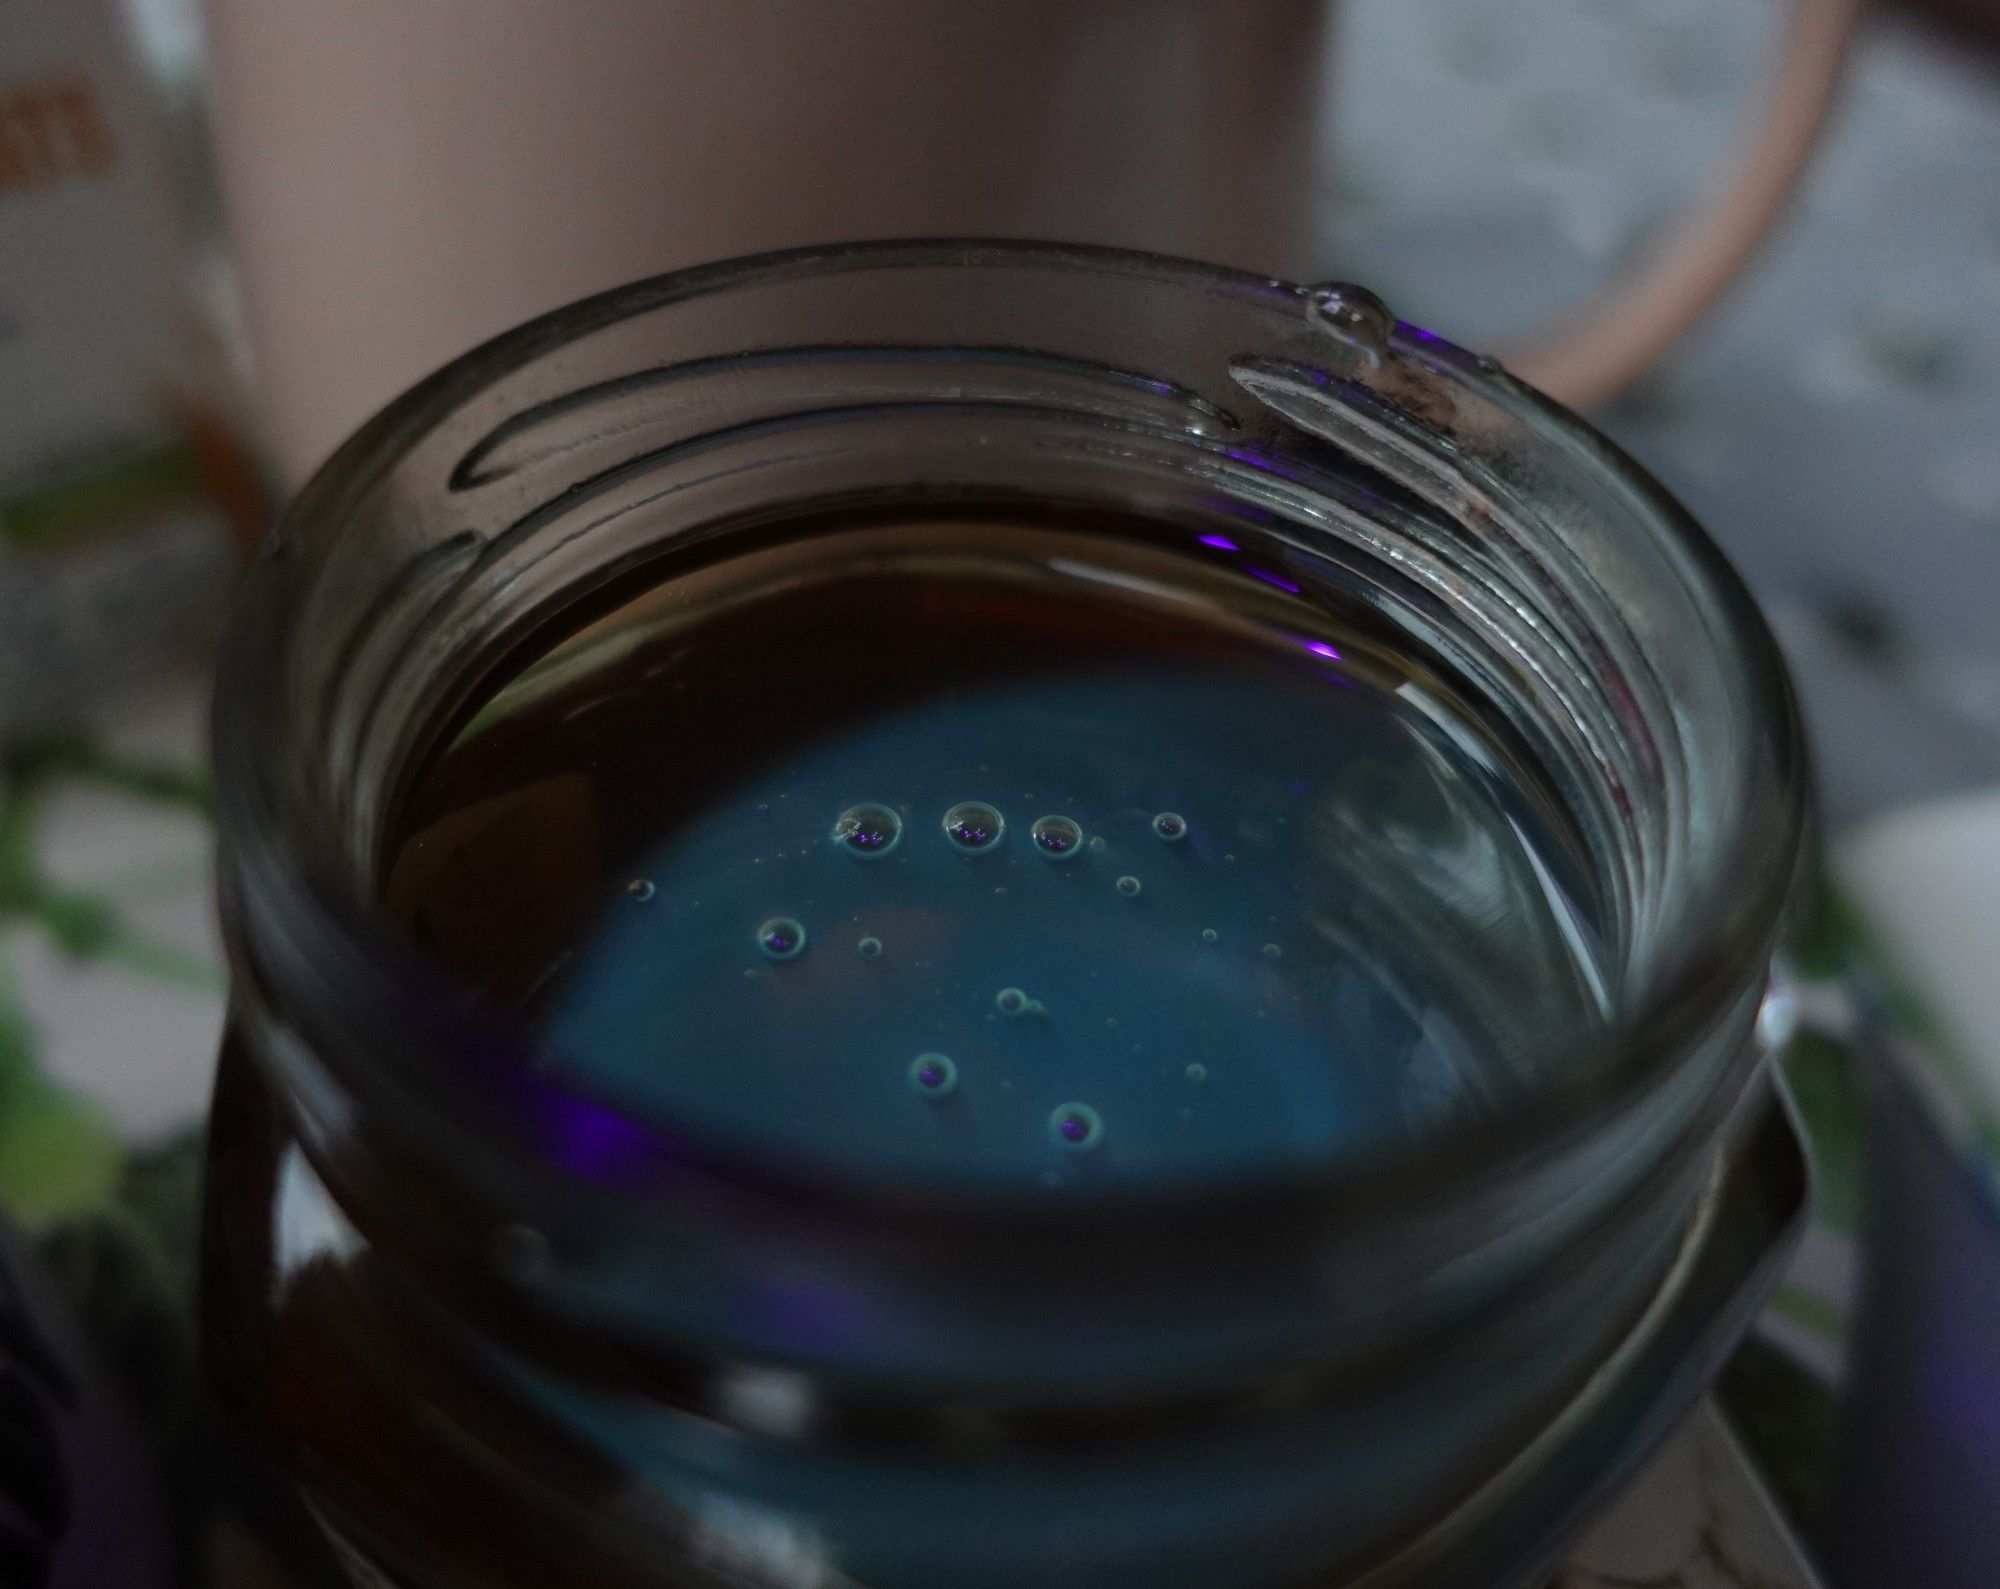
405, 181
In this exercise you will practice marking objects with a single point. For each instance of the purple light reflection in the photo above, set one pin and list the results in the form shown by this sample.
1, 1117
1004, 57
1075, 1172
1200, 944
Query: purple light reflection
806, 1314
1270, 578
1236, 508
594, 1142
1320, 648
1221, 543
1267, 463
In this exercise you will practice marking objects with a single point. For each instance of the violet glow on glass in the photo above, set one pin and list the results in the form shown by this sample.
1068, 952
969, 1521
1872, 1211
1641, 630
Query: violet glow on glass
1320, 648
585, 1138
1265, 463
1221, 543
597, 1143
804, 1314
1270, 578
1235, 509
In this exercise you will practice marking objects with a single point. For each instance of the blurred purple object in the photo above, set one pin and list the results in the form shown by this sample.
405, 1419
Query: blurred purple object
1915, 1497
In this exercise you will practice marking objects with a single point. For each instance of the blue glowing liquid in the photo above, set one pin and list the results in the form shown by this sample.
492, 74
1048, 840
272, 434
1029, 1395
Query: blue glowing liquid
1308, 906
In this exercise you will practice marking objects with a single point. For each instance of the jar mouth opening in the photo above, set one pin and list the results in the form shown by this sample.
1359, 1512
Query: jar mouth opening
1701, 893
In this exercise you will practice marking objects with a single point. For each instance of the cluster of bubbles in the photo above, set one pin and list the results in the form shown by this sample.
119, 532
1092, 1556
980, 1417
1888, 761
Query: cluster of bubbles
1074, 1126
871, 830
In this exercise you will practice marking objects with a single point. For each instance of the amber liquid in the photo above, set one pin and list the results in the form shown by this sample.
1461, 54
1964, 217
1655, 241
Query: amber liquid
1257, 888
1247, 888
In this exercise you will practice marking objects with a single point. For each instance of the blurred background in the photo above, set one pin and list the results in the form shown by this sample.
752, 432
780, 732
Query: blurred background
225, 240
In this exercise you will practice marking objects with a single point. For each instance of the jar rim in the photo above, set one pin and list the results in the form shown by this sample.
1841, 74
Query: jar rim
275, 848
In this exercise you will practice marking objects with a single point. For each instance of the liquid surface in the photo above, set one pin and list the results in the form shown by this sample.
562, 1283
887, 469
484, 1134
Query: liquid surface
1013, 854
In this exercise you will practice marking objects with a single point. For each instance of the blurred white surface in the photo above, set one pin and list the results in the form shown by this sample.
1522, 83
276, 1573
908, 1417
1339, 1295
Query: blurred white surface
1928, 879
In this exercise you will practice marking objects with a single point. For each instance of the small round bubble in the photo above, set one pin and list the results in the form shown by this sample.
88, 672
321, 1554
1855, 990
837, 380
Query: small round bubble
1058, 838
973, 826
641, 889
1272, 951
1171, 826
869, 948
1076, 1126
782, 938
1197, 1072
868, 830
933, 1075
1209, 935
1130, 887
1097, 841
1012, 1001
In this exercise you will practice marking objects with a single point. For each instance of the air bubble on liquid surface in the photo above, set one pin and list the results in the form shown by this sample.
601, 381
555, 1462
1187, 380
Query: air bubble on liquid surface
1171, 826
1076, 1126
1352, 314
1057, 838
973, 826
1209, 935
641, 889
782, 938
1012, 1001
1271, 951
933, 1075
869, 948
1197, 1072
868, 830
1130, 887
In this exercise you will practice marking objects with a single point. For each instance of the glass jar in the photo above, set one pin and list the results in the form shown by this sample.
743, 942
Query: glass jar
507, 1333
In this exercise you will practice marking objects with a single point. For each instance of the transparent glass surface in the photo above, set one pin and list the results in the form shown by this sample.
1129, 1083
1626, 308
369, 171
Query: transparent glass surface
973, 913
